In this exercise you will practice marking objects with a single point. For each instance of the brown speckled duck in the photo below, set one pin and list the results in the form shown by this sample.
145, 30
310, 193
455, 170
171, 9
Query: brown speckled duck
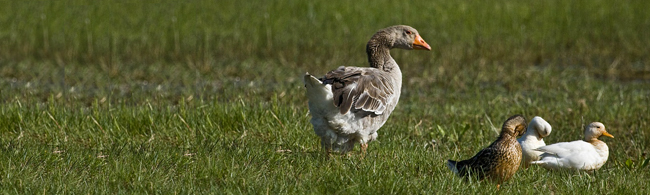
499, 161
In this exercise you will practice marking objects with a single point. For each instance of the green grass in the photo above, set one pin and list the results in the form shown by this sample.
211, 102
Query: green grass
206, 97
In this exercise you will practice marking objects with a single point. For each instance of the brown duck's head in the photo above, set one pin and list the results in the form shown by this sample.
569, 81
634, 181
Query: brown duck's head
401, 36
594, 130
515, 125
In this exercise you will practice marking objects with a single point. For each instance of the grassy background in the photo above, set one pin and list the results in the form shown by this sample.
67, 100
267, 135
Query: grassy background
202, 96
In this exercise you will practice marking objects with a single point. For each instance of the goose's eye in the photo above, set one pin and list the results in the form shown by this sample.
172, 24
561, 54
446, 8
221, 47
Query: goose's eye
408, 32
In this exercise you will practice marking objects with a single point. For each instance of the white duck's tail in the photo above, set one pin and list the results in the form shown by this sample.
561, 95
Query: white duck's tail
539, 162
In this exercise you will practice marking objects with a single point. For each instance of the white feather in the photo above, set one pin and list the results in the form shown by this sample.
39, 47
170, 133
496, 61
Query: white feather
537, 129
579, 155
337, 131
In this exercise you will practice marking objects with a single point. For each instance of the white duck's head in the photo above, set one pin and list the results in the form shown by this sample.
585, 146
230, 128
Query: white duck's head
539, 127
594, 130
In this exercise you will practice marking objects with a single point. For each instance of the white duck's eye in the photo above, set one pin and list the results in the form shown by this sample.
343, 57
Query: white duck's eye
408, 32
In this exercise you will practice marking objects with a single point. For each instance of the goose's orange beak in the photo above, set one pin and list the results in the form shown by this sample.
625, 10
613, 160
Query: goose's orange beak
419, 43
607, 134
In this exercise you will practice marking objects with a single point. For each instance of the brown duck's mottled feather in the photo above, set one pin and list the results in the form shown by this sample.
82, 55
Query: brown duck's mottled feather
499, 161
493, 162
355, 88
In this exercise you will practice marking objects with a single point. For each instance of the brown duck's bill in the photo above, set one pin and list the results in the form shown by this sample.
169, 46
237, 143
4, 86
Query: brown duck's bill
419, 43
607, 134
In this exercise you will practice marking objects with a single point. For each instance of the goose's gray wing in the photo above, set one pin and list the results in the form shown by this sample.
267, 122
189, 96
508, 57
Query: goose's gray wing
360, 89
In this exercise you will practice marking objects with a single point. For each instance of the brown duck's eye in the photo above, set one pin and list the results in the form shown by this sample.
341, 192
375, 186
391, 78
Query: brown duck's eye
408, 32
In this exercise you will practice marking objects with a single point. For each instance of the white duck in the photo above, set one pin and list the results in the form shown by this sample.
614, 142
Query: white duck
588, 154
537, 129
348, 105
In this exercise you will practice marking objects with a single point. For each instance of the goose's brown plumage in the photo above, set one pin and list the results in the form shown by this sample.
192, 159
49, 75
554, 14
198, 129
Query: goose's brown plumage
349, 103
499, 161
370, 90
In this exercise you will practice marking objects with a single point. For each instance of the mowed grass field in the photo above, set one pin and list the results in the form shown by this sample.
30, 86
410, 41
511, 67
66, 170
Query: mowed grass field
180, 97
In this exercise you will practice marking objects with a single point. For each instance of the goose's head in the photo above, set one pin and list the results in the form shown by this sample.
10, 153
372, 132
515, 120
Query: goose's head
539, 126
594, 130
515, 125
403, 37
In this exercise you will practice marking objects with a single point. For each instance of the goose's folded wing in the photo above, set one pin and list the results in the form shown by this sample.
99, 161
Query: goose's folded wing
360, 89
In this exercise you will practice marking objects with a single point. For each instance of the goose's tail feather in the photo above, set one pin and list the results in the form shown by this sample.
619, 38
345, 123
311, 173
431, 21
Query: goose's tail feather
317, 92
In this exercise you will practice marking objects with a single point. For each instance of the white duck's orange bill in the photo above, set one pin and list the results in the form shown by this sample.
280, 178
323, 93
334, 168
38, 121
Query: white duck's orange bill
607, 134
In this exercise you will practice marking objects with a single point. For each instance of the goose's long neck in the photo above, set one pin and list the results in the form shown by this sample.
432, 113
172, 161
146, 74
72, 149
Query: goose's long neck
378, 50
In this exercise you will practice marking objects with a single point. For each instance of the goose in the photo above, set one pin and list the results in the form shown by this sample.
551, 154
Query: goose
349, 104
499, 161
537, 129
588, 154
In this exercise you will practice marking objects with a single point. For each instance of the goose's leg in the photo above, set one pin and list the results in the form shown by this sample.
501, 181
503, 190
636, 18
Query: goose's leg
364, 147
328, 149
